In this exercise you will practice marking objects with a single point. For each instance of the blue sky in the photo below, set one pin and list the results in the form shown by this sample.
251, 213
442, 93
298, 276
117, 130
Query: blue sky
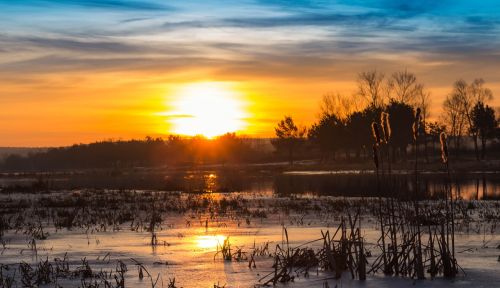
61, 34
48, 47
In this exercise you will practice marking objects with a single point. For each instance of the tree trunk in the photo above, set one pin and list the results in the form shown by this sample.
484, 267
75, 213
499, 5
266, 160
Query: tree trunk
476, 149
424, 136
394, 154
483, 147
457, 145
426, 148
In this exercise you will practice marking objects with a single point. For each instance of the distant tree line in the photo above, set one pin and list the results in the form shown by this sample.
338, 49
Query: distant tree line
343, 126
174, 150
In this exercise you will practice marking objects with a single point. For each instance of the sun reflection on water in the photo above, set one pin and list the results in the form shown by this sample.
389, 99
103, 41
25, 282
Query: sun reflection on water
209, 241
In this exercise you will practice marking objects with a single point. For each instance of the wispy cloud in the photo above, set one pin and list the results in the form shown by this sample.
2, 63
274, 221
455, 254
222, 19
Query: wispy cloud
97, 4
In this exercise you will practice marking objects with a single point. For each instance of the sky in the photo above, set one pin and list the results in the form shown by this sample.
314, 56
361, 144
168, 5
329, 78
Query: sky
78, 71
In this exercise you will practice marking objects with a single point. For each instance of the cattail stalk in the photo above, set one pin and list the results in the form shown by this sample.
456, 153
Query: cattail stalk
375, 156
444, 147
416, 124
377, 139
449, 193
376, 133
419, 263
386, 126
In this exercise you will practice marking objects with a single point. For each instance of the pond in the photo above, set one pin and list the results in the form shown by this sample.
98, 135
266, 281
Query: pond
472, 185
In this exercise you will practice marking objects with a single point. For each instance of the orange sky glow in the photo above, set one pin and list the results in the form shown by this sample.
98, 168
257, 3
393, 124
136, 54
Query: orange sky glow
85, 108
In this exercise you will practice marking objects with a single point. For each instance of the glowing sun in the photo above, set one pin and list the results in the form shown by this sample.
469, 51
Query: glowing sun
208, 108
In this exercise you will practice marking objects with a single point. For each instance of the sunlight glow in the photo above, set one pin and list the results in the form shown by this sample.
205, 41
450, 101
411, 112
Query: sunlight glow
209, 241
207, 108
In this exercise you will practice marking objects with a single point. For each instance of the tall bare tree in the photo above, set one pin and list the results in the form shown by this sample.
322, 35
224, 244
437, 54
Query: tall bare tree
484, 123
338, 105
454, 118
479, 93
469, 96
404, 87
372, 88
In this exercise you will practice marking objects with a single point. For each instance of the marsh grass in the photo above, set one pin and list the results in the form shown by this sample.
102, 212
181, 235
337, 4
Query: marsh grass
7, 280
343, 250
47, 272
224, 250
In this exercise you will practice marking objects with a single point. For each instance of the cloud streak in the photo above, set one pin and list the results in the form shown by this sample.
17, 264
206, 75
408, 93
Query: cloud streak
94, 4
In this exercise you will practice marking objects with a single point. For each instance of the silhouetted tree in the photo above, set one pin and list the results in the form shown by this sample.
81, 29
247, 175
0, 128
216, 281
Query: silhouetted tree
177, 149
289, 137
402, 119
358, 131
454, 117
483, 124
477, 93
329, 135
459, 107
231, 148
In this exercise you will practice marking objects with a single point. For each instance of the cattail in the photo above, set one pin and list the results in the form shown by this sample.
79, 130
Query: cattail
386, 126
141, 275
375, 155
382, 117
444, 147
416, 124
376, 132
